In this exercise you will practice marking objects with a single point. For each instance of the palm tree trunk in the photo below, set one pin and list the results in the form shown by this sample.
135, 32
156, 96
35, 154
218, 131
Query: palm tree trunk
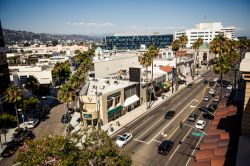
176, 79
147, 97
18, 124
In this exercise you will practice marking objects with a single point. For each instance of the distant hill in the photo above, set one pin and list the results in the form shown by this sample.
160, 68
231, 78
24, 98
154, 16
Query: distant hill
11, 36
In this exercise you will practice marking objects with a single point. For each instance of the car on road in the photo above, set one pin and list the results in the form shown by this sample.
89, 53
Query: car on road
122, 140
206, 98
216, 99
169, 114
9, 150
70, 110
165, 147
229, 87
205, 82
192, 117
213, 106
216, 79
203, 109
190, 85
211, 92
211, 83
182, 81
208, 116
32, 123
66, 118
200, 124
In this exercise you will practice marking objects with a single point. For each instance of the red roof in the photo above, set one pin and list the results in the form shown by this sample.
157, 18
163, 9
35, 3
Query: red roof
224, 136
180, 53
214, 131
220, 151
218, 161
204, 155
201, 163
167, 69
205, 146
223, 143
212, 138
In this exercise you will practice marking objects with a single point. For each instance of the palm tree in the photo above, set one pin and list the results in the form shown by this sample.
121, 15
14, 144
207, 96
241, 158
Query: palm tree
32, 83
242, 45
183, 41
196, 47
219, 46
153, 51
175, 48
14, 95
146, 61
66, 94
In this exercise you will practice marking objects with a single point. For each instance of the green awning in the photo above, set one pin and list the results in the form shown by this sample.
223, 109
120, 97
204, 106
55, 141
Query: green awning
111, 112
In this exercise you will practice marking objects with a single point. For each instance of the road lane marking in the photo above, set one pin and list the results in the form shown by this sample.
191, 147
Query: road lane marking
140, 141
193, 151
157, 141
179, 144
171, 121
164, 135
174, 152
192, 106
149, 128
140, 124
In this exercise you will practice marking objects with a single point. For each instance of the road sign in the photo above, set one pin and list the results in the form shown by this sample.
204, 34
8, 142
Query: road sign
197, 134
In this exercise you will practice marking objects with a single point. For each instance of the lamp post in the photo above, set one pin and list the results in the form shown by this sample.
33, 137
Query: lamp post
173, 79
20, 111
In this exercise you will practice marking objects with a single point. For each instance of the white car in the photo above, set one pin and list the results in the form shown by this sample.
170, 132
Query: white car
206, 98
211, 91
229, 87
216, 99
123, 139
216, 79
31, 123
200, 124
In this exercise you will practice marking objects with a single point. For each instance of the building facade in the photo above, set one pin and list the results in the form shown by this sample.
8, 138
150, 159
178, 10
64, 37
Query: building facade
126, 41
206, 31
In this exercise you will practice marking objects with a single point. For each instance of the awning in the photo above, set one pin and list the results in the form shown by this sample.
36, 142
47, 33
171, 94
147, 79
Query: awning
166, 85
131, 100
111, 112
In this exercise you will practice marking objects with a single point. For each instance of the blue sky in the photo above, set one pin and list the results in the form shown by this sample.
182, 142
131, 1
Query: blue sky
108, 16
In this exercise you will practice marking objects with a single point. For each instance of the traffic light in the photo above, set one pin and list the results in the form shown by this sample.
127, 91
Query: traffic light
181, 125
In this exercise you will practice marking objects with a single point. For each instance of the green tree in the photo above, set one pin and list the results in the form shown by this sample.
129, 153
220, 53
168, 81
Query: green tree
14, 95
61, 71
196, 46
97, 149
29, 104
183, 41
32, 84
175, 48
66, 94
6, 121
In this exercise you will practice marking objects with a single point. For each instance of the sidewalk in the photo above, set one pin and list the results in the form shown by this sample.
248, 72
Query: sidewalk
9, 137
116, 125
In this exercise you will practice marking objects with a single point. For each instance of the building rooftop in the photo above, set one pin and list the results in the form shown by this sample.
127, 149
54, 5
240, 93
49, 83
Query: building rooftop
244, 65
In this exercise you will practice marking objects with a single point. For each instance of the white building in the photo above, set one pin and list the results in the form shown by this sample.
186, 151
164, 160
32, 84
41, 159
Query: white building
206, 31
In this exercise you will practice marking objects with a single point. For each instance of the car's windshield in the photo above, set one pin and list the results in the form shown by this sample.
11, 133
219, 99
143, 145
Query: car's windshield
121, 139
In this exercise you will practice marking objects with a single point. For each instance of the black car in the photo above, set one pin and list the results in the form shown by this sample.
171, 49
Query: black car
203, 109
190, 85
169, 114
66, 118
70, 110
213, 106
192, 117
211, 83
165, 147
9, 150
205, 82
182, 81
208, 116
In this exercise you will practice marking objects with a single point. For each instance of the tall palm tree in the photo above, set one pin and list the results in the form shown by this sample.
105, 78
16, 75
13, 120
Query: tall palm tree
196, 46
183, 41
146, 61
219, 46
14, 95
175, 48
153, 51
32, 83
242, 45
66, 94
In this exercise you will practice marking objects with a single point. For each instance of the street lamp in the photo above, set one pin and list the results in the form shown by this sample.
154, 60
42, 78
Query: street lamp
20, 111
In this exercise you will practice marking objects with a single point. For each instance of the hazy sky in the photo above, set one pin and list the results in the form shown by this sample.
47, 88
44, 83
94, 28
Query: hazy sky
108, 16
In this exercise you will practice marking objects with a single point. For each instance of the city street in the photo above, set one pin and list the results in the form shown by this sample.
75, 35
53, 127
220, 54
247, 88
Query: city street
52, 125
151, 129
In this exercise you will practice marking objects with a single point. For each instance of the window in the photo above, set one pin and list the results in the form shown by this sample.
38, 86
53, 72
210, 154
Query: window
110, 103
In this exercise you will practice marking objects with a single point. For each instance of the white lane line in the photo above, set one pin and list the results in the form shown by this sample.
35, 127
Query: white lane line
179, 144
174, 152
149, 128
171, 121
157, 141
193, 151
140, 141
140, 124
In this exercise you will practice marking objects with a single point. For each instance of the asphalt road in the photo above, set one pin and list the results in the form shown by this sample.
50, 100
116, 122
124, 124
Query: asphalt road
51, 125
151, 129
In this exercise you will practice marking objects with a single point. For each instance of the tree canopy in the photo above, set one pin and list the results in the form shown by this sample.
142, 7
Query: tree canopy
97, 149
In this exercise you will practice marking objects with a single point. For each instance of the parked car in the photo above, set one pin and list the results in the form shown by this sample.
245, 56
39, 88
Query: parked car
189, 85
203, 109
66, 118
32, 123
213, 105
192, 117
124, 139
229, 87
211, 92
182, 81
205, 82
216, 99
208, 116
206, 98
70, 110
169, 114
9, 150
200, 124
216, 79
165, 147
211, 83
